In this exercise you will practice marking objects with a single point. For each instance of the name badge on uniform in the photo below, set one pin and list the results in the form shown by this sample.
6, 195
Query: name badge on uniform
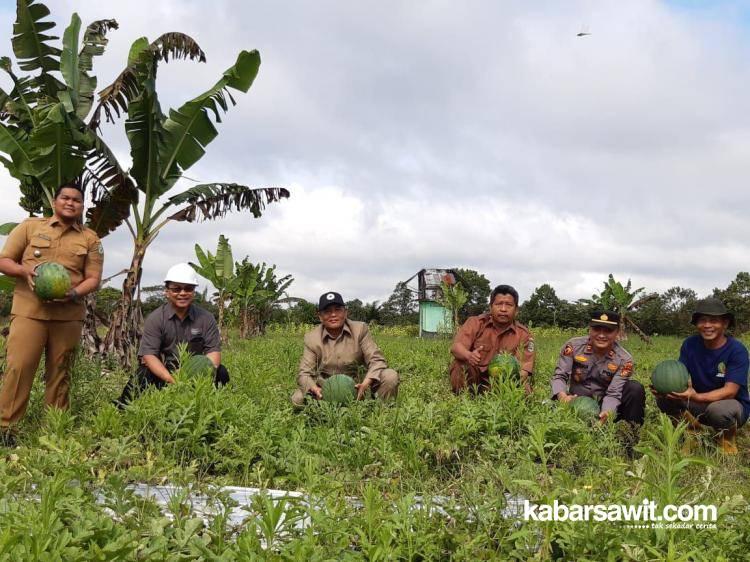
195, 331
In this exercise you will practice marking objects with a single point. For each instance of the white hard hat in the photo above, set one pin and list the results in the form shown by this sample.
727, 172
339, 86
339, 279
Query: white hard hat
181, 273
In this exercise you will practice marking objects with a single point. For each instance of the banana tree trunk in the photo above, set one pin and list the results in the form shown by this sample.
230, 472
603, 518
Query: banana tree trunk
638, 330
127, 321
91, 341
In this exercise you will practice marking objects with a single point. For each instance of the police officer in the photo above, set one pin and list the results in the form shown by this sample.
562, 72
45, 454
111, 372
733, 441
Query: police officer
340, 345
52, 327
718, 365
598, 366
177, 321
481, 337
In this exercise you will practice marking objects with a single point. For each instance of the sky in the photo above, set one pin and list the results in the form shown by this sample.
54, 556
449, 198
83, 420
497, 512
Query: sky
482, 134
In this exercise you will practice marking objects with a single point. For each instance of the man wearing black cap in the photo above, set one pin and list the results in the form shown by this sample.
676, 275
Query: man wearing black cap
340, 345
718, 366
599, 367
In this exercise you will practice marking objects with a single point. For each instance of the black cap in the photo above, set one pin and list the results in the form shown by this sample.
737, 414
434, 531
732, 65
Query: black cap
711, 307
605, 318
327, 299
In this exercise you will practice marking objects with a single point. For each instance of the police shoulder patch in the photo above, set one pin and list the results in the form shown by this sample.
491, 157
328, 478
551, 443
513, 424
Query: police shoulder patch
568, 351
627, 369
530, 345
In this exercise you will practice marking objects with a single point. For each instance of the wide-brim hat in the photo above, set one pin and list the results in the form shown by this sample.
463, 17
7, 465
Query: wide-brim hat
711, 307
608, 318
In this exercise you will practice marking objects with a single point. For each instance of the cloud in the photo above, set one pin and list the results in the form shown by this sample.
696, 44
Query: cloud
485, 135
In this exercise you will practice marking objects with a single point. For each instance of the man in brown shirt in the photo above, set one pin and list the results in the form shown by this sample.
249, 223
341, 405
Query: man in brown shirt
339, 345
38, 326
481, 337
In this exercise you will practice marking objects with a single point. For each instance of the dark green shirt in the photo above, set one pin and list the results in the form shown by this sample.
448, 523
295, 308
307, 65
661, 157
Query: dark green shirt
163, 330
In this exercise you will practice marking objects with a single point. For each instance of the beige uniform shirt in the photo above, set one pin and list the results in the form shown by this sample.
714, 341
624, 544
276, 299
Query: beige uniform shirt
325, 355
42, 239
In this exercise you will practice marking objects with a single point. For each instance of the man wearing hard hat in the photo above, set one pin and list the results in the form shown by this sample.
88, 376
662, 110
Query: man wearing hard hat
177, 321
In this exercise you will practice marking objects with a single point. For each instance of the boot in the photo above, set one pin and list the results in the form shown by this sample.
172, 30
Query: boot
728, 441
7, 439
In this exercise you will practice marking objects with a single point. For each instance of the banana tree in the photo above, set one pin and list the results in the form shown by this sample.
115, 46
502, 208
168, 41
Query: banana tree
218, 270
253, 292
44, 138
623, 299
162, 147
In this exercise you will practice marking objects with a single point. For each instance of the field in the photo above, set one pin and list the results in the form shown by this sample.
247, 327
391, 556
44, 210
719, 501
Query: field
362, 469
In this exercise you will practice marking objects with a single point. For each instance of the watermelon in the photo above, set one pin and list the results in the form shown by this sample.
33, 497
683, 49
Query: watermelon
504, 366
339, 389
670, 376
197, 366
52, 281
585, 407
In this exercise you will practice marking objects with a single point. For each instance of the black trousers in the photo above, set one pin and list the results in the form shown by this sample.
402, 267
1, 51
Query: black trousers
632, 406
143, 378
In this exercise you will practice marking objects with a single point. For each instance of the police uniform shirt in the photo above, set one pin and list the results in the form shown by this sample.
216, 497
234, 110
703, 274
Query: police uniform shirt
163, 330
580, 371
324, 354
46, 239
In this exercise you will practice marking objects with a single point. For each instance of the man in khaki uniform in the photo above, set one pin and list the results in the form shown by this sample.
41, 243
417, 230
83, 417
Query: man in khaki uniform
340, 345
37, 326
482, 337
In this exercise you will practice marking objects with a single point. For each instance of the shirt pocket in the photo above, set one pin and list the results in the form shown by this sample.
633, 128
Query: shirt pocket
77, 256
39, 250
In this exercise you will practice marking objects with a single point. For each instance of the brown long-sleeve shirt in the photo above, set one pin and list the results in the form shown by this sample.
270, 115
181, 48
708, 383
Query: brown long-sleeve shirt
479, 331
325, 355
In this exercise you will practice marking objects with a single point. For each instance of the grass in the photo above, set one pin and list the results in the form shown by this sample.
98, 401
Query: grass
428, 444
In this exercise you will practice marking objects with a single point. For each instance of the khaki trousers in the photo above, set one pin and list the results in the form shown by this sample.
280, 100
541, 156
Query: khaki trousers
385, 388
27, 340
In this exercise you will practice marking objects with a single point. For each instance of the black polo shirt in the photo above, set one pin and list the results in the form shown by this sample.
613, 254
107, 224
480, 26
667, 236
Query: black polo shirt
163, 330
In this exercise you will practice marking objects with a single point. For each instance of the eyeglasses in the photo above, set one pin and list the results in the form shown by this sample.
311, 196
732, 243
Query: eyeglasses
183, 289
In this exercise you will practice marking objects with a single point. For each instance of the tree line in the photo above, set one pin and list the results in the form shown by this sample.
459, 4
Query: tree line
665, 313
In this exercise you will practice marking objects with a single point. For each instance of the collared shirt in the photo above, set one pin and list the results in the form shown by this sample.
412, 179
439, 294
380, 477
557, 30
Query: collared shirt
47, 239
326, 355
589, 374
515, 339
711, 369
163, 330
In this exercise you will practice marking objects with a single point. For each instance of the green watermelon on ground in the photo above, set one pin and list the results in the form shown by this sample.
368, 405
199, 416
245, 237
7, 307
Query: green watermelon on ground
504, 366
585, 407
339, 389
197, 366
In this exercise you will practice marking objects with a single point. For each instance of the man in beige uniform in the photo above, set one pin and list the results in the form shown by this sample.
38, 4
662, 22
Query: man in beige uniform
340, 345
37, 326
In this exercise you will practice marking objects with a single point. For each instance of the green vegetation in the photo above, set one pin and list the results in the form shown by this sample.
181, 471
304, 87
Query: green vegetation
467, 451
